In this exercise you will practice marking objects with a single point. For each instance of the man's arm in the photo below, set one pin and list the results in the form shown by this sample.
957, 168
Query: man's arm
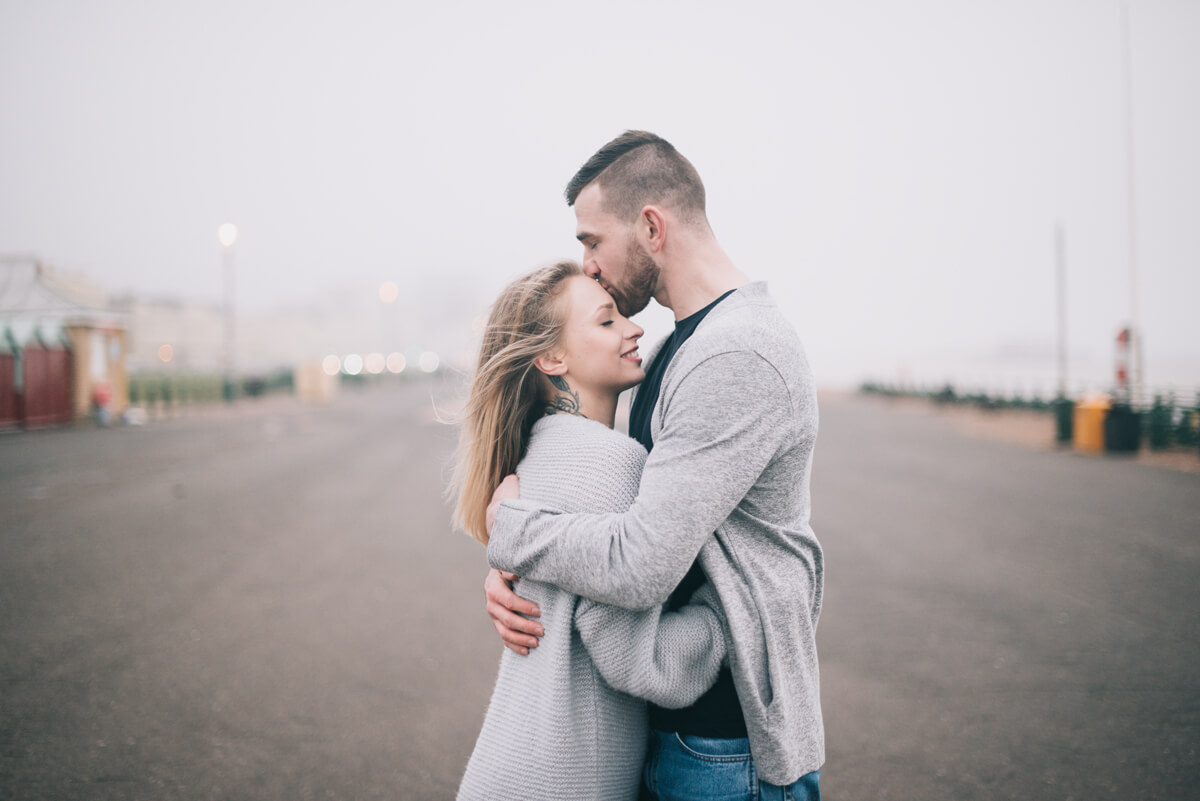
721, 428
668, 658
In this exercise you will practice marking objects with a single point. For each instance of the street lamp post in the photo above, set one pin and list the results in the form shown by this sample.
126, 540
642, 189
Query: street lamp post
1060, 263
1135, 323
227, 235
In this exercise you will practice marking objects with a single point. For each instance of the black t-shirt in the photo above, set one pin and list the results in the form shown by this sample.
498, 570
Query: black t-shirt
647, 393
717, 713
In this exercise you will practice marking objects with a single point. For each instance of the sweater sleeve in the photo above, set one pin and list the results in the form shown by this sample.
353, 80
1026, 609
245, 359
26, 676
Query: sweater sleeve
720, 430
668, 658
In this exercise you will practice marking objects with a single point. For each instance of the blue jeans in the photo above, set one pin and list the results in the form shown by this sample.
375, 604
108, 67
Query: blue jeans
687, 768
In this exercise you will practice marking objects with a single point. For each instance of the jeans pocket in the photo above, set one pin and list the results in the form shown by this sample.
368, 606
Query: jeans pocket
704, 769
713, 749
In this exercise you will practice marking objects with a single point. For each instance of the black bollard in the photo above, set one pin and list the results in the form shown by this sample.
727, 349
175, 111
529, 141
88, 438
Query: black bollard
1159, 428
1122, 429
1064, 417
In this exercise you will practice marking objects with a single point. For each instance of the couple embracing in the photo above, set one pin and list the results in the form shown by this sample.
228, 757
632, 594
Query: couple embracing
661, 636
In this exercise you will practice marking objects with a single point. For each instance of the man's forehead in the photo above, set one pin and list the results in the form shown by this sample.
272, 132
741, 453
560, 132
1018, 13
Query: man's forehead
589, 210
590, 199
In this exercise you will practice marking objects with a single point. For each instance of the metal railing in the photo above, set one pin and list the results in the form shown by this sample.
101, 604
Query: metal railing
1167, 418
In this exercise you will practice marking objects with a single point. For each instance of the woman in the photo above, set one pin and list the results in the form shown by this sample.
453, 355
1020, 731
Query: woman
563, 721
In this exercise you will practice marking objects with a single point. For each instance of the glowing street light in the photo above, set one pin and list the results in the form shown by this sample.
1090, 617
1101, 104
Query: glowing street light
227, 234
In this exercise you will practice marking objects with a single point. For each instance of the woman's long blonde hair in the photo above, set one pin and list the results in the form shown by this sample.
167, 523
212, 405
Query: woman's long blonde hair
506, 391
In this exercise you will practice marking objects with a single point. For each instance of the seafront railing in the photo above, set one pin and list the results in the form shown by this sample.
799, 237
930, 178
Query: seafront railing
1162, 418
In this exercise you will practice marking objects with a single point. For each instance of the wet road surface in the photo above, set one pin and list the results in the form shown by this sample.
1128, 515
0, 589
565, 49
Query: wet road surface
267, 602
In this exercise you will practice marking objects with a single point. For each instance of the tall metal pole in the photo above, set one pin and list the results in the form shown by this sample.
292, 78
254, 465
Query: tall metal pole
227, 234
1135, 328
1060, 257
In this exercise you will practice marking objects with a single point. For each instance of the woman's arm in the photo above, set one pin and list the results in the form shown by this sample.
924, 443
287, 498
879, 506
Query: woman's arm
668, 658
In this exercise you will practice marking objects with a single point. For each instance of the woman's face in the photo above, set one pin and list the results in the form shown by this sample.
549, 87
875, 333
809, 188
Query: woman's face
600, 345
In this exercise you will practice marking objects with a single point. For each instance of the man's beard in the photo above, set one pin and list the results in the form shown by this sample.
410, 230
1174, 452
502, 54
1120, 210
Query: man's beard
641, 281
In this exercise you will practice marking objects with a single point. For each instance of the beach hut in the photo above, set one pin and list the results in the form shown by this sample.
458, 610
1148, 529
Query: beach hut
62, 352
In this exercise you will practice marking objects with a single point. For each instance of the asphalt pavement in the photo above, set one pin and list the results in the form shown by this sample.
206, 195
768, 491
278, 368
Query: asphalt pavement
266, 601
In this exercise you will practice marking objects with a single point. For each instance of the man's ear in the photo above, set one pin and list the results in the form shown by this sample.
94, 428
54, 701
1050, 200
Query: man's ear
552, 363
652, 226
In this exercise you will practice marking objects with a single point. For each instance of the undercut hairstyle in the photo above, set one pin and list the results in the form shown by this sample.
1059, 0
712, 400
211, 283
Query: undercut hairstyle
506, 395
637, 169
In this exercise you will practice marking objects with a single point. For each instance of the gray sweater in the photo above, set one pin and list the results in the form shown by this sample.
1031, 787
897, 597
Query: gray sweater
563, 722
727, 480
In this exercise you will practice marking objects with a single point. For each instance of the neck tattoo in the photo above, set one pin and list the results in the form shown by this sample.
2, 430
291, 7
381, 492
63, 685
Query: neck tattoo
567, 401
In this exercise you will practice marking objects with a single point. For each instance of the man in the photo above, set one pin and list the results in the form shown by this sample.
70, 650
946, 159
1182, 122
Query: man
728, 413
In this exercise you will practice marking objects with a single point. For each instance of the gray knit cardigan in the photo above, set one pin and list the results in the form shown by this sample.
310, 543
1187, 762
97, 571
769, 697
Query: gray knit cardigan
728, 481
563, 722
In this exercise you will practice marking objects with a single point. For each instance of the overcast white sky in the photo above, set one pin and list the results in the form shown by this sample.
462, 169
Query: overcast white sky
893, 169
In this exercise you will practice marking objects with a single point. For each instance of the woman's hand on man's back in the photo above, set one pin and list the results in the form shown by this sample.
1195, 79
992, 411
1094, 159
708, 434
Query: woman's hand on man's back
506, 609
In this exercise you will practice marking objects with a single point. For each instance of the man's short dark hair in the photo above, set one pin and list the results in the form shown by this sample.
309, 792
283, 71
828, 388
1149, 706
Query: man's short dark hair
639, 168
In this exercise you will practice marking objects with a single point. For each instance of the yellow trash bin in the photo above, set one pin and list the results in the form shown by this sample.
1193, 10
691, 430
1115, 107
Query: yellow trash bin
1089, 422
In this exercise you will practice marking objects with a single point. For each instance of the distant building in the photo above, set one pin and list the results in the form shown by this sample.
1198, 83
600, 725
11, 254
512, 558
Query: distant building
55, 324
173, 336
61, 349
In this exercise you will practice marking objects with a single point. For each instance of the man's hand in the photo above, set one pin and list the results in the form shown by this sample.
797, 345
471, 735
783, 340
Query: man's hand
509, 490
518, 633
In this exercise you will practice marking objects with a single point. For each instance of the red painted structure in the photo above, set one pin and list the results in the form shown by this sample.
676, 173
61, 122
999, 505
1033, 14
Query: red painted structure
58, 343
47, 390
10, 412
42, 396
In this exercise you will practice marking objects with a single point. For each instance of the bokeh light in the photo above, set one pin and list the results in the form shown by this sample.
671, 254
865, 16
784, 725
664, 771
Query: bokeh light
331, 364
352, 364
396, 363
429, 361
227, 234
375, 363
166, 353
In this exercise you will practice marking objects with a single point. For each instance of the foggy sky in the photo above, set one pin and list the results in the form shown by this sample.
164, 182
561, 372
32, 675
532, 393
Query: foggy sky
894, 170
